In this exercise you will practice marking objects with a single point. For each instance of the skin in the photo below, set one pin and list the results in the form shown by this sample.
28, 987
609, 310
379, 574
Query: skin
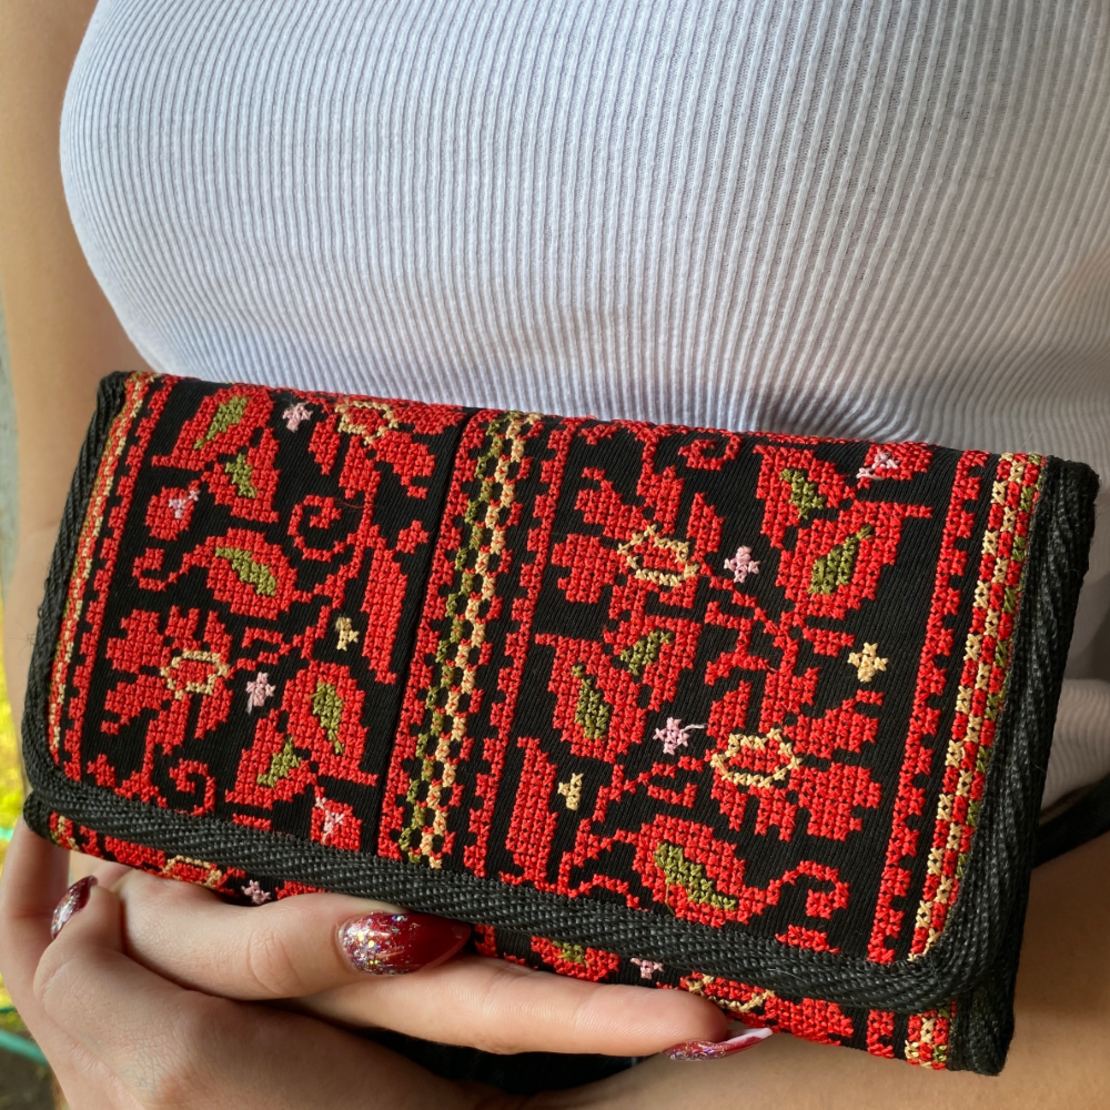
157, 995
120, 1008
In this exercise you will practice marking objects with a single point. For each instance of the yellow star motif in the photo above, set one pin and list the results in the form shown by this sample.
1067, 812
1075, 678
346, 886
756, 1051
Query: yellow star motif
347, 634
867, 662
572, 791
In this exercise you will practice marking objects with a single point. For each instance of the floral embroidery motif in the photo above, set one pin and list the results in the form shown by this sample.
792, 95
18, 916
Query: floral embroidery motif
675, 735
255, 893
258, 690
883, 460
211, 581
347, 634
295, 415
332, 819
868, 662
663, 560
742, 564
180, 504
781, 758
478, 624
571, 790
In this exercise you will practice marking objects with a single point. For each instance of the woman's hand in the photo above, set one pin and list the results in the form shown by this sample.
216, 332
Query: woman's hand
294, 949
120, 1036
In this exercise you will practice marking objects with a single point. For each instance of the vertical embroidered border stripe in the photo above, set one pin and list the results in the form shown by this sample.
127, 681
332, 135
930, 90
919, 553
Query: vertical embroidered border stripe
982, 689
468, 608
909, 805
136, 389
927, 1040
538, 543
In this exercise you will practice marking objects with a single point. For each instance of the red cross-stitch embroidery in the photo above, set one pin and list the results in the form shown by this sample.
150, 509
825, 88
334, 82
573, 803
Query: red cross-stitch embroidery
690, 673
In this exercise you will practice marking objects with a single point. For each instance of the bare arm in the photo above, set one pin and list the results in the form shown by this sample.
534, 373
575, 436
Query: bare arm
63, 335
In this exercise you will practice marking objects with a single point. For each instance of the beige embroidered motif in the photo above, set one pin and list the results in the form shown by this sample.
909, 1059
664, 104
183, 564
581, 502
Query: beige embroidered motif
868, 662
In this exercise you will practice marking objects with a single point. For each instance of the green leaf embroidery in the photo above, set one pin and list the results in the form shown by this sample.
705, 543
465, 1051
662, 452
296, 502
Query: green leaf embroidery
804, 495
327, 708
281, 765
253, 573
691, 877
227, 415
573, 953
835, 568
240, 473
591, 712
639, 656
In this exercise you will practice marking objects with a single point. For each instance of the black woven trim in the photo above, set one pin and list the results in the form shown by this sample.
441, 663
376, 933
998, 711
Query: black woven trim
461, 896
980, 928
110, 396
999, 885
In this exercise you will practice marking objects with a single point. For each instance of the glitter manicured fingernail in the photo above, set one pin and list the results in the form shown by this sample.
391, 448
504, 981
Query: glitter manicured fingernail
74, 899
397, 943
714, 1050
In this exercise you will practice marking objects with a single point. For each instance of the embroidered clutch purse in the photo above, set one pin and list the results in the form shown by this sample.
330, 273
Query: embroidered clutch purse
761, 717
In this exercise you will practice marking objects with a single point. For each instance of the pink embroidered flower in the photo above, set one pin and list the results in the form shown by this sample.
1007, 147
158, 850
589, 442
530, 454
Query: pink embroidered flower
883, 460
171, 512
178, 504
675, 735
255, 893
332, 819
258, 690
335, 824
648, 968
742, 564
295, 415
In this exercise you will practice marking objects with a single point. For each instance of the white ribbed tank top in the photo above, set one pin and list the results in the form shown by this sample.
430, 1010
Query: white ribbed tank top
864, 218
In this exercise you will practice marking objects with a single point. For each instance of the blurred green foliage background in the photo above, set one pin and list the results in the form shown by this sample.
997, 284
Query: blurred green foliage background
11, 787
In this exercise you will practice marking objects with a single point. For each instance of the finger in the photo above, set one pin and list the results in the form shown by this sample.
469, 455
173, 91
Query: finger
284, 949
106, 872
34, 879
33, 882
289, 949
503, 1007
167, 1046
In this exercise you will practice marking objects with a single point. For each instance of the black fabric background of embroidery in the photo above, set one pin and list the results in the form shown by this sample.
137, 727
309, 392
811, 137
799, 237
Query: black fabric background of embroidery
975, 960
382, 700
768, 856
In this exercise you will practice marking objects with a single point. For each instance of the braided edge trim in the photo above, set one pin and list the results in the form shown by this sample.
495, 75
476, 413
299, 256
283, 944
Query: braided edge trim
979, 933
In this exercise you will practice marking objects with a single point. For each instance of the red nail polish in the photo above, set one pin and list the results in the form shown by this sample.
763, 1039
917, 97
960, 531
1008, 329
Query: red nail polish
74, 899
714, 1050
397, 943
